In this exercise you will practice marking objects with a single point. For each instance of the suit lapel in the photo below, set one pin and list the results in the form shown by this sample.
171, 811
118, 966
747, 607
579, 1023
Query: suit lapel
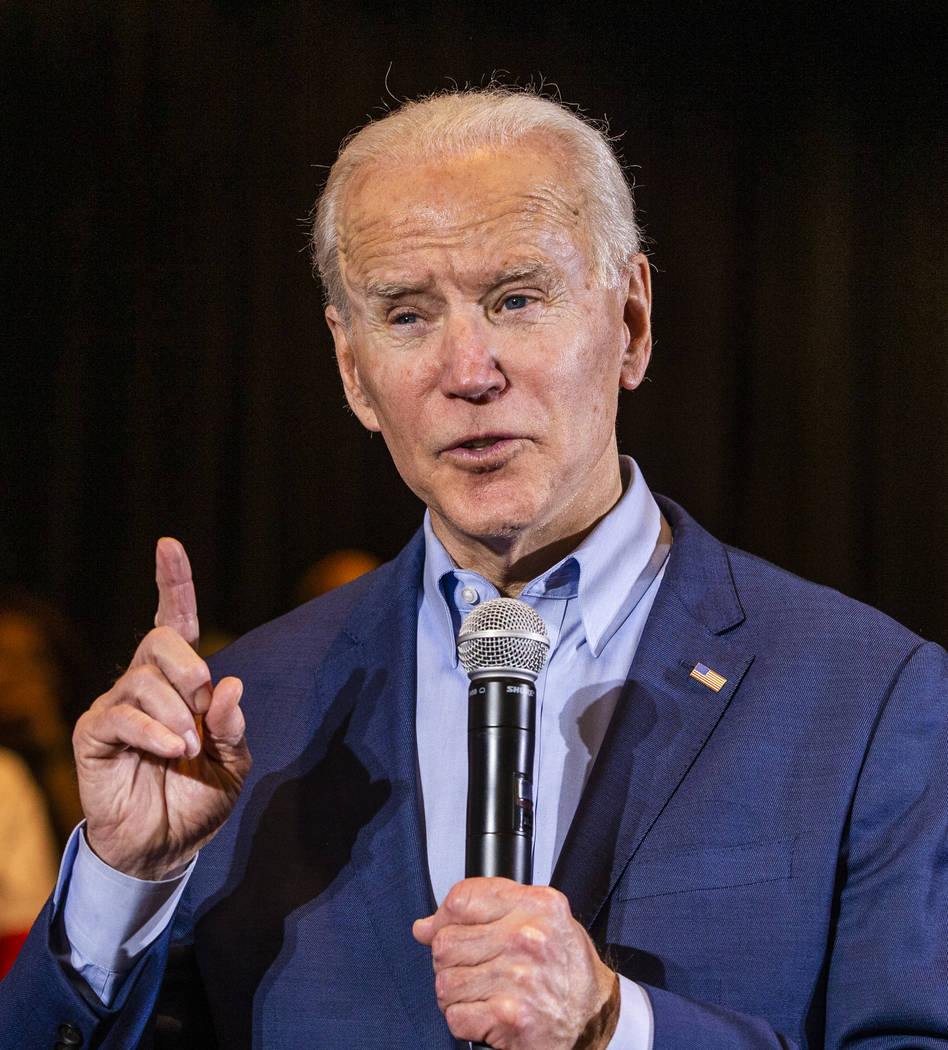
392, 867
663, 719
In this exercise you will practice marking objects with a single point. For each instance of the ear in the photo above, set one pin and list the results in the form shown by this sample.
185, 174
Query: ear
343, 338
637, 326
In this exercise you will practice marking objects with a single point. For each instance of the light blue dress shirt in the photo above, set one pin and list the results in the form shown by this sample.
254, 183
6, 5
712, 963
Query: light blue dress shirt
594, 602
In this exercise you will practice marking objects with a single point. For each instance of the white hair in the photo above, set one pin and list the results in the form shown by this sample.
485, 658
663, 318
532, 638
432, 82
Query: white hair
457, 122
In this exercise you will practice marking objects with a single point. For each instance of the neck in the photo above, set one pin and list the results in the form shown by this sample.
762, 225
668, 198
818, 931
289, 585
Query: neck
510, 562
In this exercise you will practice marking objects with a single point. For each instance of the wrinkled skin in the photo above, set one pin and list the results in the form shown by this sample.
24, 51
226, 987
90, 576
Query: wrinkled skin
513, 968
479, 345
161, 757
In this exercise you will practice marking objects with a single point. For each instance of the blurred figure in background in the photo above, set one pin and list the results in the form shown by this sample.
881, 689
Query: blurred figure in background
333, 570
43, 680
28, 855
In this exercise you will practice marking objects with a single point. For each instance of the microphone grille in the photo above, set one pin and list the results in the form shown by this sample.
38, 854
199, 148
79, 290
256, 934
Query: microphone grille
503, 634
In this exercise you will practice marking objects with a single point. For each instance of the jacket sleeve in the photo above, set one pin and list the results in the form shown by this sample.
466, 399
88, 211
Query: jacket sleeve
43, 1004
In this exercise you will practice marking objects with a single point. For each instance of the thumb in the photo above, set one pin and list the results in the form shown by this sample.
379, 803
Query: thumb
224, 721
423, 930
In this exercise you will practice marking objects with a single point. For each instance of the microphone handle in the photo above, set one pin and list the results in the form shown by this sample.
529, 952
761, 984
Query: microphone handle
500, 745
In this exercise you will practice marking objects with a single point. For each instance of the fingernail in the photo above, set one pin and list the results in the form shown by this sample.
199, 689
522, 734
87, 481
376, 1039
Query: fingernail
192, 746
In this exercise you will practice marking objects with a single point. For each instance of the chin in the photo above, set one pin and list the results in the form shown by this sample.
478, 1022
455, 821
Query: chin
490, 529
495, 509
500, 525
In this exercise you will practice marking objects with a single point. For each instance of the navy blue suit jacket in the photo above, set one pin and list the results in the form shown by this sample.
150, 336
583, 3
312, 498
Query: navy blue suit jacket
769, 860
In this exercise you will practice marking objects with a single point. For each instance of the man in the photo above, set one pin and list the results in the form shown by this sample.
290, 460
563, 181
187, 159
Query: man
740, 782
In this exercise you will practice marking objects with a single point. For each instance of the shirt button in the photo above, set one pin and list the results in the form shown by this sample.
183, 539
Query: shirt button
470, 596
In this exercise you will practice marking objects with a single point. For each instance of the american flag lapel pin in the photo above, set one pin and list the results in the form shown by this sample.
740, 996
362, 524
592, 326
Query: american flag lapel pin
708, 677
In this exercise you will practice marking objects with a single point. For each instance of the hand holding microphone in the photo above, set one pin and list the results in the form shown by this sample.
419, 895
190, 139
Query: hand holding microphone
513, 968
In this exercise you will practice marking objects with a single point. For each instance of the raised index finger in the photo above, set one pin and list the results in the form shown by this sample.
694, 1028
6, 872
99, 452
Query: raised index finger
177, 604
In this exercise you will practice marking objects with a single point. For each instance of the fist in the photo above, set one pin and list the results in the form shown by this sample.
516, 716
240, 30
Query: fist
513, 968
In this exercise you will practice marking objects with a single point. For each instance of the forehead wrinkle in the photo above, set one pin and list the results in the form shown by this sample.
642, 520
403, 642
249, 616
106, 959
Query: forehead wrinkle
420, 267
436, 224
426, 228
523, 268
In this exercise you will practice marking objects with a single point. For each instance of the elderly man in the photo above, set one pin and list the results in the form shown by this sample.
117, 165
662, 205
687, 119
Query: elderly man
740, 787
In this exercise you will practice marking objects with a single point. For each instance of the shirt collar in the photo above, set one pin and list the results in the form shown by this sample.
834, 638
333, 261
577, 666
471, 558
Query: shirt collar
609, 571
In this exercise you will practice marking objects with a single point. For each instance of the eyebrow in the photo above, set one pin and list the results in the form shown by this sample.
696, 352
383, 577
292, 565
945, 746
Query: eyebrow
528, 270
390, 291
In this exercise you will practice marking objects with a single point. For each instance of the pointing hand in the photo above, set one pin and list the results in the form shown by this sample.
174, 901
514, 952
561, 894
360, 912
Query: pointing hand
161, 757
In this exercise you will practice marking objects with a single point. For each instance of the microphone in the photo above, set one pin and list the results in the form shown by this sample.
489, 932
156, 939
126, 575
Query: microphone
502, 645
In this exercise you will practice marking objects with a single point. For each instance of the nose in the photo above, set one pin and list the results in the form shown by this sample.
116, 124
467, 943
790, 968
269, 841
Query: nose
469, 366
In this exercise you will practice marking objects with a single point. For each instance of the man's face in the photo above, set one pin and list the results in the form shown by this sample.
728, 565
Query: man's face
480, 346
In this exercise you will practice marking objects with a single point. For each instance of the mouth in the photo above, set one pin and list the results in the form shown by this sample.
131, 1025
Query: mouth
476, 444
481, 449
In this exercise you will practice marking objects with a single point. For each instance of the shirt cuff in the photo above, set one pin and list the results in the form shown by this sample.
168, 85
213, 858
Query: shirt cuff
110, 919
636, 1027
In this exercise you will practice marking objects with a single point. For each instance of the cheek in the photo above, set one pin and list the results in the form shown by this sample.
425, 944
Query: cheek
585, 379
389, 385
400, 407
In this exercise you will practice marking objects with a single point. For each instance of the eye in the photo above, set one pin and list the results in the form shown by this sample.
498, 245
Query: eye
515, 302
405, 318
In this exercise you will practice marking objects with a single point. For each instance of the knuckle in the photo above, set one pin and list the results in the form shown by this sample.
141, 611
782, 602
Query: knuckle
560, 905
81, 727
441, 945
514, 1014
141, 678
197, 673
100, 701
445, 986
521, 977
554, 906
551, 900
531, 938
162, 636
458, 899
455, 1016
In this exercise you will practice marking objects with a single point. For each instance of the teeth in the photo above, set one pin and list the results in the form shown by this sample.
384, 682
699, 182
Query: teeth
480, 443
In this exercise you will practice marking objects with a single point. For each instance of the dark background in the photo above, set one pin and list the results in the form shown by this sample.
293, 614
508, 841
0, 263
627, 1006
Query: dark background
165, 367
